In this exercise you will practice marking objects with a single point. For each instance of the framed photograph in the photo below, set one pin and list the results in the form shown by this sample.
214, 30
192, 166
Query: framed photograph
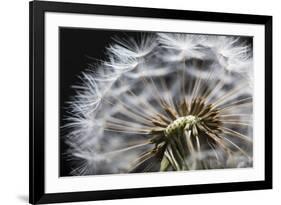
140, 102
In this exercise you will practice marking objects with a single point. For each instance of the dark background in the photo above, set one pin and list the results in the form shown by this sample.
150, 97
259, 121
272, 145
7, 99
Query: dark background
78, 50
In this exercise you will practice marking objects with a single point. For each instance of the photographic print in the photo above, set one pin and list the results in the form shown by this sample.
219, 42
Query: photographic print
129, 102
139, 101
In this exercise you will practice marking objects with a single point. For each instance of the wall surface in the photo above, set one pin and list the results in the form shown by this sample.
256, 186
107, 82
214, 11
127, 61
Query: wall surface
14, 100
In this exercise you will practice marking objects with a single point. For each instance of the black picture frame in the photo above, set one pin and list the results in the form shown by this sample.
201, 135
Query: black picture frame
37, 194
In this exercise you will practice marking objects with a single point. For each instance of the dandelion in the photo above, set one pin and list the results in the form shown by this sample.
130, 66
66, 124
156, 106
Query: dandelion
183, 46
231, 53
162, 103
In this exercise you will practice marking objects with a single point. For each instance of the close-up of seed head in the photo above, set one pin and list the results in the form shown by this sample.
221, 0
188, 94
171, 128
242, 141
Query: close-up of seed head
163, 102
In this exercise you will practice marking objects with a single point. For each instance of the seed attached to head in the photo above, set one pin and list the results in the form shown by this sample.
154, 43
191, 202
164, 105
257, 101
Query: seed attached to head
178, 125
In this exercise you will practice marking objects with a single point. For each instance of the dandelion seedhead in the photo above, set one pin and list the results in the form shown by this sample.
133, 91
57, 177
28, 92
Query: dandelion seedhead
163, 102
